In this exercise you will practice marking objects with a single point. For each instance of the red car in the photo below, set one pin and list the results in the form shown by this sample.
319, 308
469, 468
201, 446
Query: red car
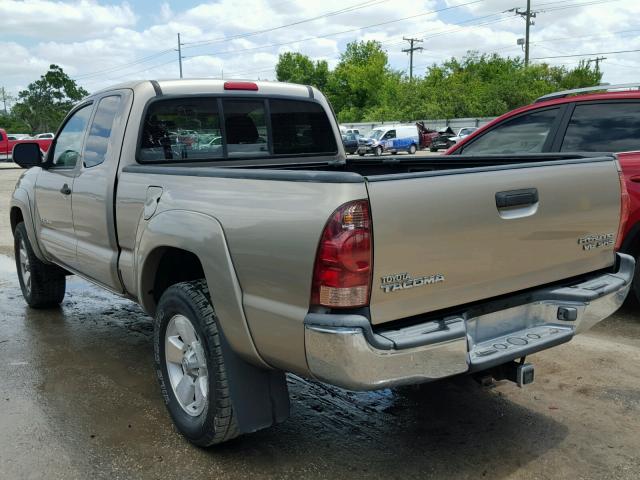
6, 145
593, 119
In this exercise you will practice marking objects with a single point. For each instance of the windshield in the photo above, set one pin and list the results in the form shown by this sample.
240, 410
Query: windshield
375, 134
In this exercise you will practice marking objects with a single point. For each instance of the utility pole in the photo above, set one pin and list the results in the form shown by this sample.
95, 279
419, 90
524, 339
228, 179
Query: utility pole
410, 51
4, 99
527, 14
597, 61
180, 55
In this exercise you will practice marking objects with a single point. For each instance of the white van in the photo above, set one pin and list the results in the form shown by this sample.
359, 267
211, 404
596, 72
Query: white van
390, 139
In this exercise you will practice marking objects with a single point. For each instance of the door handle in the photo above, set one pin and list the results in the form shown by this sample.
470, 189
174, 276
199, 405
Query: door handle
517, 198
65, 190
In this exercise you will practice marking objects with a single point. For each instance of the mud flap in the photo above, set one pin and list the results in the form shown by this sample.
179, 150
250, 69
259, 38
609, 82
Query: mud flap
260, 397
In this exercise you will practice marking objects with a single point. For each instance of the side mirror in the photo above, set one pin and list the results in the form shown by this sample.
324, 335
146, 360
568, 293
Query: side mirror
27, 154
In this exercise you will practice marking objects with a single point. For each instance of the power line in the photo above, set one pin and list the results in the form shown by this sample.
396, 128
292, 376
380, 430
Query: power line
352, 8
587, 54
124, 65
556, 6
227, 52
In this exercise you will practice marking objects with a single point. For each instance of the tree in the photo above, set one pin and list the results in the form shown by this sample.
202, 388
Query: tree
45, 102
297, 68
359, 79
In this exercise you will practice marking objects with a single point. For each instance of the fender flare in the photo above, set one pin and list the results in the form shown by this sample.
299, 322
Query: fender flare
167, 229
21, 200
259, 394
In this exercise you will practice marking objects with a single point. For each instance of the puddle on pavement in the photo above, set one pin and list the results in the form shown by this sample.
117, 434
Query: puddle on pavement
7, 271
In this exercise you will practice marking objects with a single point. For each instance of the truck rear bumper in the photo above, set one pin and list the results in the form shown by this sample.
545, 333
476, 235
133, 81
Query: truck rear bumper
343, 350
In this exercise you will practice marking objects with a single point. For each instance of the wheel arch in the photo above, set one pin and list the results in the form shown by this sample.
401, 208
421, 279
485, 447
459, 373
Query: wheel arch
167, 254
20, 212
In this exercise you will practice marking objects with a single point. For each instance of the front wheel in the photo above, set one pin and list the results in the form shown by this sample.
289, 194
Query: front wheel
433, 149
190, 365
42, 285
378, 151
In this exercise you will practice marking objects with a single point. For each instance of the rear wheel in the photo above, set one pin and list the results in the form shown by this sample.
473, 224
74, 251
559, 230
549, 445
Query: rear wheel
190, 366
361, 153
635, 286
433, 149
412, 149
42, 285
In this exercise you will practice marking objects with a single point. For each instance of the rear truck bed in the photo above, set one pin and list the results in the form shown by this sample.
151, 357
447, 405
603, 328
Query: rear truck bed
476, 266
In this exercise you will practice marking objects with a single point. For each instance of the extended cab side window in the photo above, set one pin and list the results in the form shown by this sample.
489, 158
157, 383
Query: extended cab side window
603, 127
97, 144
181, 129
69, 143
523, 134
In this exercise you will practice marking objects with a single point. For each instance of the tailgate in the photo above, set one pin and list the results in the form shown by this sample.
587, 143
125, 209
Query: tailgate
447, 238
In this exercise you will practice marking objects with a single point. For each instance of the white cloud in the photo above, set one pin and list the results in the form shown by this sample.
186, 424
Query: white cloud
102, 44
60, 20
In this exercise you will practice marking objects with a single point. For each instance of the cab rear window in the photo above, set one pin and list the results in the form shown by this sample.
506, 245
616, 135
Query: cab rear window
210, 129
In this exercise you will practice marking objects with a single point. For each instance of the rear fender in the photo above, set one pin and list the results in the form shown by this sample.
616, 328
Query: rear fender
203, 236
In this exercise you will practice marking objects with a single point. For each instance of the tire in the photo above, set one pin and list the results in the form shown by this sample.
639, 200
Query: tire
635, 286
433, 149
412, 149
378, 151
213, 420
360, 153
42, 285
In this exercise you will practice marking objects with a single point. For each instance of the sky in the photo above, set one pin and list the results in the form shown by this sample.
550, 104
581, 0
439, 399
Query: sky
101, 43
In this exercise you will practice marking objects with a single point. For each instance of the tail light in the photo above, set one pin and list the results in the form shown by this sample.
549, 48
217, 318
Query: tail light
625, 207
342, 272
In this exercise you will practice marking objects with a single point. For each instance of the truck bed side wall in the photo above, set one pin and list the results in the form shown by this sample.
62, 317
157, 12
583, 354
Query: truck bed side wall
271, 230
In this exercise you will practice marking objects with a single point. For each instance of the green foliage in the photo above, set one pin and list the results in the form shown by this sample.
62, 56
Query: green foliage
12, 124
45, 102
297, 68
363, 87
360, 80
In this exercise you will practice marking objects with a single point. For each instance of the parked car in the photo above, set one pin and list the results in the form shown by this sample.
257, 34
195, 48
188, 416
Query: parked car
257, 258
426, 135
390, 139
349, 131
594, 119
48, 136
7, 142
463, 132
443, 140
18, 136
350, 142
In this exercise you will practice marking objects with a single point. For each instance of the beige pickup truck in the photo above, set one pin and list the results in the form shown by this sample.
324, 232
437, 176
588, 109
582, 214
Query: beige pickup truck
229, 211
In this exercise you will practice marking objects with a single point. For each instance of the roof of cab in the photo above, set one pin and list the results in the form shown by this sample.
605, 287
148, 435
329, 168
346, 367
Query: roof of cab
194, 86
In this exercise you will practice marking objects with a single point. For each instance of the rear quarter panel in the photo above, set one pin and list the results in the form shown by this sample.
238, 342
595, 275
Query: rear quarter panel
271, 228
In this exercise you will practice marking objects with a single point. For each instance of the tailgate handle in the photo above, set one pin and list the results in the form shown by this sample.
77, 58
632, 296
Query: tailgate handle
517, 198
